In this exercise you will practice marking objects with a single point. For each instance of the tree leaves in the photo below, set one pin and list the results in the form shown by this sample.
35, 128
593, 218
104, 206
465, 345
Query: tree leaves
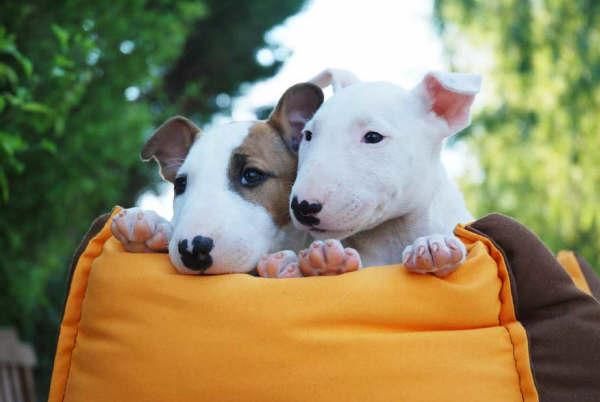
69, 138
538, 141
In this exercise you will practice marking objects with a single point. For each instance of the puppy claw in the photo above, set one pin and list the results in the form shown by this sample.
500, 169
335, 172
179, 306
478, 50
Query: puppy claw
438, 255
316, 255
160, 240
328, 258
283, 264
352, 262
141, 231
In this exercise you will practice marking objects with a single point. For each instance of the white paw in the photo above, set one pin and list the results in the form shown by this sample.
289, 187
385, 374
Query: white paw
436, 254
141, 231
283, 264
328, 257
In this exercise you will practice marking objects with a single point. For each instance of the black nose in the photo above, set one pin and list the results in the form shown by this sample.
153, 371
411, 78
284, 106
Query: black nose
199, 258
304, 211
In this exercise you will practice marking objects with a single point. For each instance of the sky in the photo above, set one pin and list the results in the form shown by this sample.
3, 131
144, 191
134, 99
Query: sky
378, 40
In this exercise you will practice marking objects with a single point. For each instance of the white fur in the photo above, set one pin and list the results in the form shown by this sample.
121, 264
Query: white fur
459, 82
379, 197
242, 231
338, 79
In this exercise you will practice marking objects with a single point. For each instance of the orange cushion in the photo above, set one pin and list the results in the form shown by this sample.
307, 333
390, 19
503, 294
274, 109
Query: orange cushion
570, 264
135, 330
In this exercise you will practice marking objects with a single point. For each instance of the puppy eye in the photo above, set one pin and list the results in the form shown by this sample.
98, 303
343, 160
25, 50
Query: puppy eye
372, 137
308, 135
180, 184
252, 177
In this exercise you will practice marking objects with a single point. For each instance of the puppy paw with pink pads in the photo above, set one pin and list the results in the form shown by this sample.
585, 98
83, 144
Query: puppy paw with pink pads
436, 254
328, 257
141, 231
283, 264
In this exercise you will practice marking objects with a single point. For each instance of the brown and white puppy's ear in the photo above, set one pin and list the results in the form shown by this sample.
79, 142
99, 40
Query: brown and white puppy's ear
449, 96
295, 107
169, 145
338, 79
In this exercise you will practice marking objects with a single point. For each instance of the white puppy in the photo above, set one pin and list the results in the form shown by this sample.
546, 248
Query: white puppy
370, 174
232, 186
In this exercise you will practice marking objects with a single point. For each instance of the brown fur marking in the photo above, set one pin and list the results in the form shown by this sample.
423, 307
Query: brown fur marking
265, 149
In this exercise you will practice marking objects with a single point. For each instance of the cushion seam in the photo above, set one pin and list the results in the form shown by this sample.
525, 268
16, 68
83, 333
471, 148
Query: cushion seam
504, 325
93, 257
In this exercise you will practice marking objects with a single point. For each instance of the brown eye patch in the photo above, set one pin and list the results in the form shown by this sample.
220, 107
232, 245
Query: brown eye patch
264, 152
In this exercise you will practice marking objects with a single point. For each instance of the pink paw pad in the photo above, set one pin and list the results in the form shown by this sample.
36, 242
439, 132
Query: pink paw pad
328, 258
436, 254
283, 264
141, 231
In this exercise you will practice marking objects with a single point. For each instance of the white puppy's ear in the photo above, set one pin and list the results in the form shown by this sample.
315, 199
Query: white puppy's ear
449, 96
170, 144
297, 106
338, 79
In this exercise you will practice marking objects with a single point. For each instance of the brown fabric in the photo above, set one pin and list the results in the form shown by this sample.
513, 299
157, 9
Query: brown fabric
562, 322
95, 227
590, 276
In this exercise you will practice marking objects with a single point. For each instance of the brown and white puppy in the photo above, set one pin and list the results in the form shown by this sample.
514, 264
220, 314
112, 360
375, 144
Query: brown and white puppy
232, 186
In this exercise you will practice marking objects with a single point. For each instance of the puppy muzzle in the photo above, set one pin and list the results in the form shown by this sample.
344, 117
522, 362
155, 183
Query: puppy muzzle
305, 211
198, 259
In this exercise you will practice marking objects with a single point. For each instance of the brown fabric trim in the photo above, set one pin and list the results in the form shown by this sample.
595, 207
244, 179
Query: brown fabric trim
562, 322
590, 275
94, 229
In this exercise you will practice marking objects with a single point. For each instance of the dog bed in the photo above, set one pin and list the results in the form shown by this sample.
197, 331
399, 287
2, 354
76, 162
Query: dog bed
511, 324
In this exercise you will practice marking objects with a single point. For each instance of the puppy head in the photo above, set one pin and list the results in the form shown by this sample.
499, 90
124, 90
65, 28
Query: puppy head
371, 152
232, 184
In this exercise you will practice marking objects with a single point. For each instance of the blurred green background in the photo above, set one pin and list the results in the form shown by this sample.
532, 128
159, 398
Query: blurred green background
537, 139
83, 83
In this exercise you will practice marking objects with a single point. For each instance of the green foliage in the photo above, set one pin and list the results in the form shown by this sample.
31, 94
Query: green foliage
537, 138
81, 86
234, 46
